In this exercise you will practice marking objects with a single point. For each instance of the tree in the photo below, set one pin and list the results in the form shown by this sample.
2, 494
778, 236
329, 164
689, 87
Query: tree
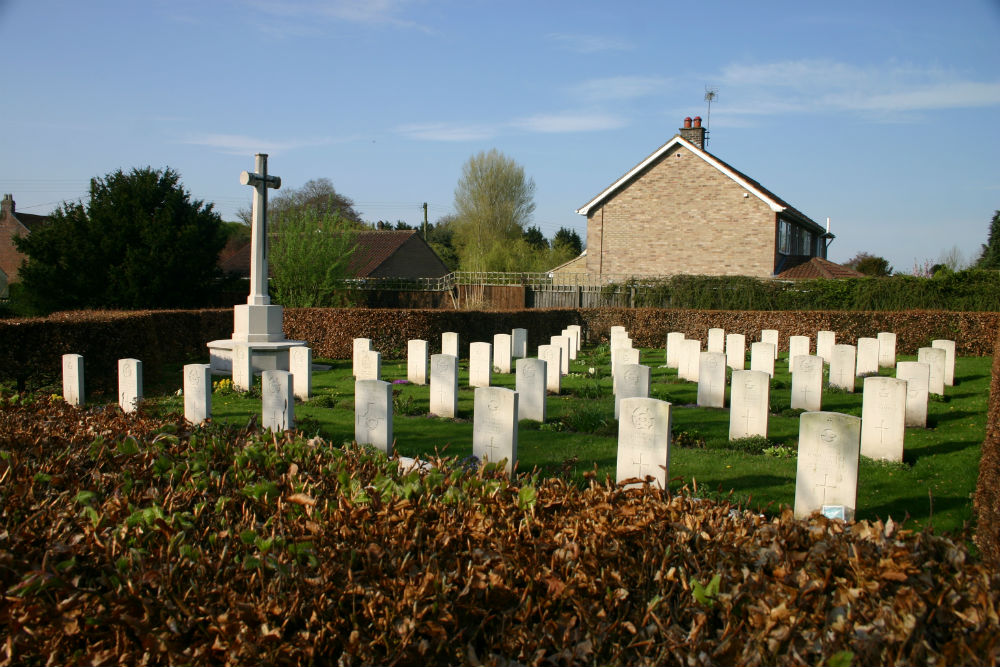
440, 237
310, 254
317, 195
533, 237
494, 201
569, 239
870, 265
989, 258
139, 242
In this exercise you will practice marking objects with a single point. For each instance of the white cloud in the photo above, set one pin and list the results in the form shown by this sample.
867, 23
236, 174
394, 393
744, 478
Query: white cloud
589, 43
618, 88
354, 11
241, 144
569, 122
446, 132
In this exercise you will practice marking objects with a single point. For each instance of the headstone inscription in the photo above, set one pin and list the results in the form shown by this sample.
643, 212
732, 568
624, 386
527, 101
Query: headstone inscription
416, 361
449, 343
674, 339
886, 349
360, 345
807, 383
770, 336
494, 426
197, 392
842, 367
825, 340
736, 351
130, 384
867, 361
501, 353
749, 401
300, 366
949, 359
827, 468
373, 414
633, 380
529, 382
620, 357
935, 358
277, 402
242, 367
480, 364
797, 345
369, 365
518, 343
883, 417
552, 356
644, 441
72, 367
712, 380
444, 385
917, 376
762, 357
716, 340
564, 343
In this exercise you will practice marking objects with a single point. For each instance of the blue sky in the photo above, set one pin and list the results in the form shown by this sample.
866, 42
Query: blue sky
883, 116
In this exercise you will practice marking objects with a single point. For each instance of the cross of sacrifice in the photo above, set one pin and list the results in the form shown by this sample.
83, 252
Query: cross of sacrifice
260, 182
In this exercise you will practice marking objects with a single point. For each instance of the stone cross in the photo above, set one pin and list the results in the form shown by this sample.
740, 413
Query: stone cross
260, 182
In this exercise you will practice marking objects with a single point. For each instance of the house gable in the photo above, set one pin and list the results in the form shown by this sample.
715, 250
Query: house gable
13, 225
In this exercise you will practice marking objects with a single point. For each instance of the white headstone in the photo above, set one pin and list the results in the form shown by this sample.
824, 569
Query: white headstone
242, 367
644, 441
444, 385
867, 362
360, 345
749, 402
449, 343
576, 331
130, 384
72, 372
369, 365
564, 344
417, 356
712, 380
689, 360
529, 382
519, 343
501, 353
917, 376
842, 367
300, 360
716, 340
494, 426
572, 343
949, 359
762, 357
936, 358
552, 356
883, 416
480, 364
197, 392
886, 349
278, 404
825, 340
797, 346
769, 336
807, 382
827, 469
674, 339
617, 332
621, 356
736, 351
373, 414
633, 381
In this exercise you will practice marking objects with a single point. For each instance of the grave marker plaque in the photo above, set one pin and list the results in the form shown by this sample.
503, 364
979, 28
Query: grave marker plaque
886, 349
417, 352
501, 353
949, 359
827, 467
917, 376
842, 367
494, 428
716, 340
130, 384
644, 441
480, 364
749, 401
552, 356
449, 343
712, 380
935, 358
564, 342
72, 366
300, 366
825, 340
373, 414
797, 345
529, 382
198, 392
633, 381
762, 357
770, 336
689, 360
576, 331
620, 357
674, 339
519, 343
736, 351
360, 345
278, 404
883, 415
242, 367
807, 383
867, 361
369, 365
444, 386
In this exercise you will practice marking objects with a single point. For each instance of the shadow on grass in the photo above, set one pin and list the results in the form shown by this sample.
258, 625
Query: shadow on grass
921, 506
911, 456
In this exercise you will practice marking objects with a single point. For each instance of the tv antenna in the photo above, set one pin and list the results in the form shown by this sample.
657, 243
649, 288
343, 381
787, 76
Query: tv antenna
711, 93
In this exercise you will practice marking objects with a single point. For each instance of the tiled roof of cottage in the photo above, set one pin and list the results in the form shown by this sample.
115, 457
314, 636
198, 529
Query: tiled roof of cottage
817, 267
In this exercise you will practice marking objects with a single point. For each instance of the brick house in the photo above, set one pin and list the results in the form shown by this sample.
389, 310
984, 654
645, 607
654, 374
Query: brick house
14, 224
683, 210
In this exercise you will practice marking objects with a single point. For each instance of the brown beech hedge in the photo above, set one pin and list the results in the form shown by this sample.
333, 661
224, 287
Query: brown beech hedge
133, 540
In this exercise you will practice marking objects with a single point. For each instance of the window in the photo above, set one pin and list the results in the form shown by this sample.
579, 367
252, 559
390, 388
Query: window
784, 234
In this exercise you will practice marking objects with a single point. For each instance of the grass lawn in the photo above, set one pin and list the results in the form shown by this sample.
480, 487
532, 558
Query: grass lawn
933, 485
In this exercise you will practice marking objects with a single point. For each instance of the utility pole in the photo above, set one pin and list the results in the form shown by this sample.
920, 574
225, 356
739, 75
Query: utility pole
425, 221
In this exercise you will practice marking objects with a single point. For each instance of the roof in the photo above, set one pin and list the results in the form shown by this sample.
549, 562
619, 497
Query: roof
816, 267
376, 246
579, 258
776, 203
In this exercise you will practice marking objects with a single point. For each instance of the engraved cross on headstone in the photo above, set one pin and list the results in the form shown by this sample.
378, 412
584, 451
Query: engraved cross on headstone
258, 229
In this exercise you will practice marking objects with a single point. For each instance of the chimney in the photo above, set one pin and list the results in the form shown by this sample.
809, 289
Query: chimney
693, 131
7, 206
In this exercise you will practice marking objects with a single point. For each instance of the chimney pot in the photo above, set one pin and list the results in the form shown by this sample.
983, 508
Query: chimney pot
697, 121
687, 123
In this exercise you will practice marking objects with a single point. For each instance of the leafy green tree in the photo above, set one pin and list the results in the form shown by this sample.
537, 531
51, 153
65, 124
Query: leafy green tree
310, 254
989, 258
317, 195
569, 239
494, 201
870, 265
535, 239
140, 241
440, 237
